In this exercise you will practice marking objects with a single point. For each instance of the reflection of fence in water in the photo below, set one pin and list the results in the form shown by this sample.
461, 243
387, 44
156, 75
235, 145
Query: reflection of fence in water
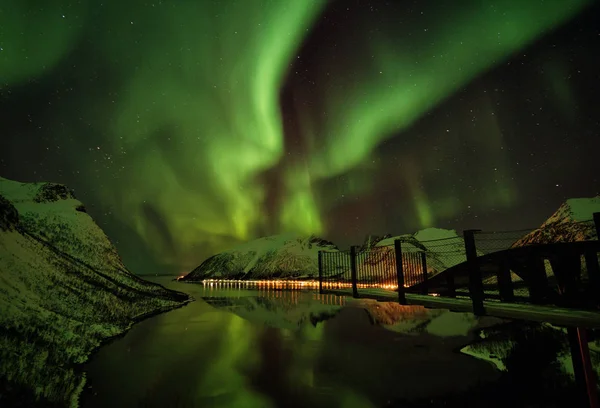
295, 296
329, 299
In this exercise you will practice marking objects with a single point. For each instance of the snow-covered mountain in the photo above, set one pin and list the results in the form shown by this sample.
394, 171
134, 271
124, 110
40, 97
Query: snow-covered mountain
63, 291
289, 256
277, 256
571, 222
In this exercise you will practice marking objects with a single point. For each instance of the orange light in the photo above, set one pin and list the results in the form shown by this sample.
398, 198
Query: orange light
296, 284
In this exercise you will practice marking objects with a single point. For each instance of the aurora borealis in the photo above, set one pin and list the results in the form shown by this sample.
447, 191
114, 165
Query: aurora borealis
189, 126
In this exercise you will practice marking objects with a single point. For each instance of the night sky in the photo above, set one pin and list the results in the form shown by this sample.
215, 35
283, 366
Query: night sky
187, 127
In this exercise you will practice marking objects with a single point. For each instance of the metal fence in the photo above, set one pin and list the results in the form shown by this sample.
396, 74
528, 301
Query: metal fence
335, 268
452, 266
375, 267
556, 232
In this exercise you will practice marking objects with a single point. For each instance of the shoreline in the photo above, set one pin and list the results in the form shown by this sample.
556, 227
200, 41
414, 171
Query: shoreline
75, 400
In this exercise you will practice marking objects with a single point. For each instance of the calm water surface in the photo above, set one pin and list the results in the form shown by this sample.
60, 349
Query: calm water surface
248, 348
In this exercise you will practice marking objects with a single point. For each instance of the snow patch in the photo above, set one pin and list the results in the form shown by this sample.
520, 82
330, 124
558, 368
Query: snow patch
451, 324
580, 209
482, 355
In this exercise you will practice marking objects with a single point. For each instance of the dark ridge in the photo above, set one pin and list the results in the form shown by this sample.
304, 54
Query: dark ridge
9, 216
50, 192
321, 242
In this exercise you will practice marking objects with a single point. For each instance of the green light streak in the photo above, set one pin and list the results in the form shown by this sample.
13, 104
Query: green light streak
35, 38
199, 124
556, 76
190, 118
404, 74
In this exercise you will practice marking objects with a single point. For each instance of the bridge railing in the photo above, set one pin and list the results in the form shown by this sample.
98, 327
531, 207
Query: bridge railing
507, 285
494, 241
464, 266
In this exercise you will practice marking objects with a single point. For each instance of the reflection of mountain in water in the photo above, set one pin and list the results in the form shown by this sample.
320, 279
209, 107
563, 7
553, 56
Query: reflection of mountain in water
293, 309
519, 350
280, 309
415, 320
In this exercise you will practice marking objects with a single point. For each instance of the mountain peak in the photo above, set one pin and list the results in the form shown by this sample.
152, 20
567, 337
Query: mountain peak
571, 222
575, 210
275, 256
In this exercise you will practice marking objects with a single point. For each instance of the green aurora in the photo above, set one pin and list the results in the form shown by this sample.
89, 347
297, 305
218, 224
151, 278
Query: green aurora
189, 120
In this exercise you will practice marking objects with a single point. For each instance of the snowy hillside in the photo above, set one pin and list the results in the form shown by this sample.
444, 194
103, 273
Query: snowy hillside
63, 291
277, 256
571, 222
51, 212
289, 256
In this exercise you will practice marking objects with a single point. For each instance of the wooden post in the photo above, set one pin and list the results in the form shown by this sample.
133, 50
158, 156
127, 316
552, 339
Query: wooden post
538, 281
588, 370
596, 216
582, 367
593, 271
400, 272
424, 286
451, 286
353, 271
475, 280
566, 265
505, 282
320, 272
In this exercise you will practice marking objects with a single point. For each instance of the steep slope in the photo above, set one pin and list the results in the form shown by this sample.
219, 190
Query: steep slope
63, 291
277, 256
571, 222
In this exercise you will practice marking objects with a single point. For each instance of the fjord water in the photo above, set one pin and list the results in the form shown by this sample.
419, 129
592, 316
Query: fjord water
247, 348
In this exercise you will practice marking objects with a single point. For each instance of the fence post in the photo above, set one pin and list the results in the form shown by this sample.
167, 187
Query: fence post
399, 271
596, 216
424, 284
353, 273
582, 367
505, 286
451, 286
538, 281
475, 282
593, 271
320, 272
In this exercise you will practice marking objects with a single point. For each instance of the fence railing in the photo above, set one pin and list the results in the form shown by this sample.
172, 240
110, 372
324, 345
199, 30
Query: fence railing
468, 266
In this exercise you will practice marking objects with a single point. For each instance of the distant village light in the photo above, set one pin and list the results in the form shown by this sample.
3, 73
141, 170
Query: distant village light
295, 284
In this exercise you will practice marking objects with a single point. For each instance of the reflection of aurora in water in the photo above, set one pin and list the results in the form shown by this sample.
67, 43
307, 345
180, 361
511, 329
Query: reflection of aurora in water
213, 357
